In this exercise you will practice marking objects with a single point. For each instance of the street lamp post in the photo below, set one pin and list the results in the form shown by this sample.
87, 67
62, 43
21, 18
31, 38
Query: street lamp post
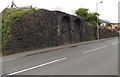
97, 20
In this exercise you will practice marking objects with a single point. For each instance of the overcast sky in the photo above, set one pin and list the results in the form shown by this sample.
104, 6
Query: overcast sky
108, 10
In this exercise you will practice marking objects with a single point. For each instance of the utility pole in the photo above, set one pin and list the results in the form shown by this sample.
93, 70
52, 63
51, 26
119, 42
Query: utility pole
98, 36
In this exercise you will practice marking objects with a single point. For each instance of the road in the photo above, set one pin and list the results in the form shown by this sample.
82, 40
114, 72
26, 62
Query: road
98, 58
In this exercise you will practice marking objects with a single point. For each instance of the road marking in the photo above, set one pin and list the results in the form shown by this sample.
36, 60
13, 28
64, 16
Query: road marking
115, 43
94, 49
37, 66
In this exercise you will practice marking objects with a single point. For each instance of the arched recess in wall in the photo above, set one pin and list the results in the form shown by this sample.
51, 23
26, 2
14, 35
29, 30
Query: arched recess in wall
78, 27
66, 29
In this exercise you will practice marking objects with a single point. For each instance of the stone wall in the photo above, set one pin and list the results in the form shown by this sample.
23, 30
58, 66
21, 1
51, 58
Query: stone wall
38, 30
45, 28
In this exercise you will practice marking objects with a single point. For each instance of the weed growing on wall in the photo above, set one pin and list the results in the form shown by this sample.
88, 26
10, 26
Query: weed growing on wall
8, 18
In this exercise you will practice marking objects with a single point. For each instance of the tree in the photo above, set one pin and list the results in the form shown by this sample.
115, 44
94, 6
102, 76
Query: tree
89, 17
83, 12
108, 24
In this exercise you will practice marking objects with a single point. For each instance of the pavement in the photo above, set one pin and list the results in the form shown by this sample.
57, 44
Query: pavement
98, 57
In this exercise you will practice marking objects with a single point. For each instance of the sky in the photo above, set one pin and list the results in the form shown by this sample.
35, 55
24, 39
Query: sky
108, 10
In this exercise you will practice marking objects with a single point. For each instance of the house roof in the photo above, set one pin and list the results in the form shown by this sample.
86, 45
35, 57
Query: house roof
115, 23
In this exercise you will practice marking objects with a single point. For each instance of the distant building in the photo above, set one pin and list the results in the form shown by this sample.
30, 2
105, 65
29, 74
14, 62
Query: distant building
13, 5
105, 25
115, 25
25, 7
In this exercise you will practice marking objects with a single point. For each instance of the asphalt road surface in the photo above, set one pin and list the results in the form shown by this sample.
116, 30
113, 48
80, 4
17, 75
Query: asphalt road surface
98, 58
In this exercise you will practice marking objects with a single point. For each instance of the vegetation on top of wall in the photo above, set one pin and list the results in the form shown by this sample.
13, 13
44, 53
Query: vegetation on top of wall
9, 16
89, 17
